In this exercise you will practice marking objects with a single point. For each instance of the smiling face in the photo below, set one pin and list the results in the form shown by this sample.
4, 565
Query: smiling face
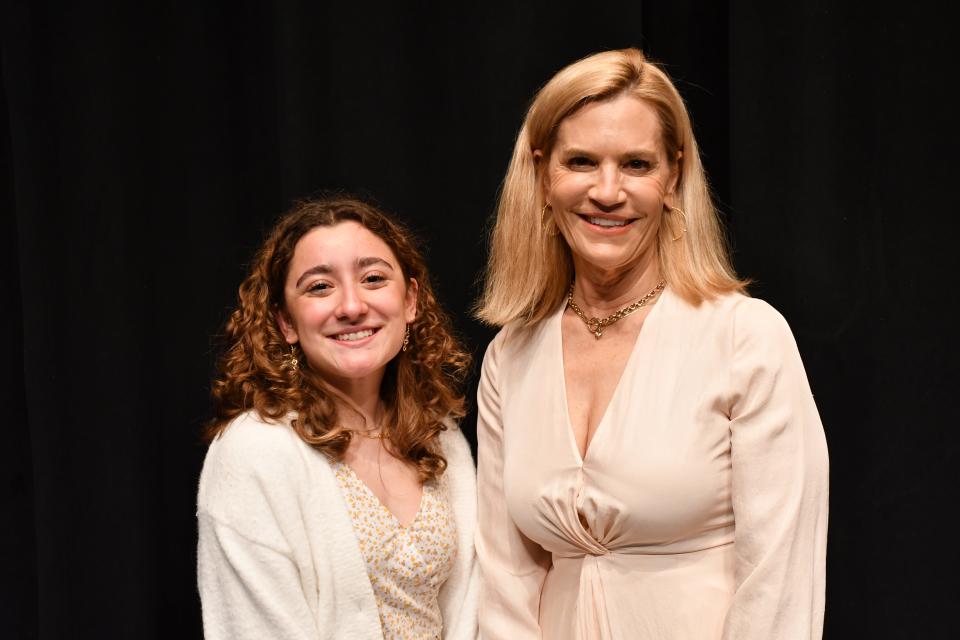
347, 303
606, 180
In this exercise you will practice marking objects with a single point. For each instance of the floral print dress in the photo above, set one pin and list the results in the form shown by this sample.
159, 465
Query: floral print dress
406, 565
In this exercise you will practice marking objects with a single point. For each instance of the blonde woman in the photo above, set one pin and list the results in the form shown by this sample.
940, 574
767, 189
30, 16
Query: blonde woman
651, 461
338, 497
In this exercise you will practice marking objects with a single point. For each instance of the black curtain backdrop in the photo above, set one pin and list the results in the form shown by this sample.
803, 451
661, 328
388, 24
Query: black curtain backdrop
146, 148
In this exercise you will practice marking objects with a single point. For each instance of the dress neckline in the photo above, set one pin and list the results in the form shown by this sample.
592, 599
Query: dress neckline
556, 325
366, 489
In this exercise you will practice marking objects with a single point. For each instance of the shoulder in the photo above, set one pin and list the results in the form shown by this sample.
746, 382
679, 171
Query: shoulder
455, 447
252, 442
516, 343
460, 474
256, 478
756, 321
498, 344
760, 336
250, 456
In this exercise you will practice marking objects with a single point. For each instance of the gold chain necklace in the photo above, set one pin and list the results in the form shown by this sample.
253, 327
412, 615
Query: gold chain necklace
379, 435
595, 325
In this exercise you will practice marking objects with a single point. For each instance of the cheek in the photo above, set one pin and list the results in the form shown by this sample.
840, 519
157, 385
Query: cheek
648, 195
308, 315
565, 187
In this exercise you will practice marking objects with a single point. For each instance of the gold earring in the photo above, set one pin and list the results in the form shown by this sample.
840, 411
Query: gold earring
682, 215
406, 339
290, 361
543, 222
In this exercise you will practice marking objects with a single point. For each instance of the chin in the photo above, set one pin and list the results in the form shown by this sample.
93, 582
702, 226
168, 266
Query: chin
357, 368
608, 261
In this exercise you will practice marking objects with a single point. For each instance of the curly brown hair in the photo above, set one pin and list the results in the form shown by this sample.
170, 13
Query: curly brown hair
420, 389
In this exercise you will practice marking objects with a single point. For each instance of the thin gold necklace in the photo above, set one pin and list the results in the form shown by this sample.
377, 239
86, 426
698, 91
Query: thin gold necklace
595, 325
379, 435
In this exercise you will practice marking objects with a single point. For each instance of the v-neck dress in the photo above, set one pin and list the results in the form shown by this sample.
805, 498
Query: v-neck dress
406, 565
699, 510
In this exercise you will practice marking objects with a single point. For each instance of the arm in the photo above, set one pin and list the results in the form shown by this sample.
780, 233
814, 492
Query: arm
779, 485
513, 566
247, 508
248, 590
459, 594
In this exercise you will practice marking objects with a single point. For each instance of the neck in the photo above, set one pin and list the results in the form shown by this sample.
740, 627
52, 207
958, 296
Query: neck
603, 291
361, 399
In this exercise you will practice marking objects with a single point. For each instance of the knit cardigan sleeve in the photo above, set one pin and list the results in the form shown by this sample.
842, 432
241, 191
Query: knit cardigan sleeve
250, 584
460, 594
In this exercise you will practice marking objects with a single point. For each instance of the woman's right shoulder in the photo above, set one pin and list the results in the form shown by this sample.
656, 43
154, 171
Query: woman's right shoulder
513, 340
252, 450
251, 436
256, 472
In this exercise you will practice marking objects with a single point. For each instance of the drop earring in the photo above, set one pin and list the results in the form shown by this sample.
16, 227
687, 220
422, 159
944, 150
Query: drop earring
290, 360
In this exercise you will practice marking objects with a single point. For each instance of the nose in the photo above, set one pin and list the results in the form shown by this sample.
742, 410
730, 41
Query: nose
606, 191
352, 305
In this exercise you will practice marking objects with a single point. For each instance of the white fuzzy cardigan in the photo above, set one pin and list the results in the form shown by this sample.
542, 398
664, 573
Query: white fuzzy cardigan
278, 557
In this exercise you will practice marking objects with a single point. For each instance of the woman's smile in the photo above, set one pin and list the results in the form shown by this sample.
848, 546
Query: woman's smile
347, 302
354, 337
607, 224
606, 180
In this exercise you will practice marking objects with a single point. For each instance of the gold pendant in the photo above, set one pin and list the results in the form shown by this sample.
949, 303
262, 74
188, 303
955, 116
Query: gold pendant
595, 327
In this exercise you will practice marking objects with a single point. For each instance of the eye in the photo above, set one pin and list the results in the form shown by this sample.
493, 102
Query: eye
319, 287
637, 164
374, 278
579, 162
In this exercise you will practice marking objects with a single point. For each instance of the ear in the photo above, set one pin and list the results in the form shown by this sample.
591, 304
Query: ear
540, 168
410, 301
286, 327
674, 180
675, 172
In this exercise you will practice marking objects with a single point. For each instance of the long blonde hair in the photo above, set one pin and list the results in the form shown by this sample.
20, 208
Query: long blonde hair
529, 270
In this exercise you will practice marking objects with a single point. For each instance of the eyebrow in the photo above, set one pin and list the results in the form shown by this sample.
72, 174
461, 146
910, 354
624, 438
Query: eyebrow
577, 151
323, 269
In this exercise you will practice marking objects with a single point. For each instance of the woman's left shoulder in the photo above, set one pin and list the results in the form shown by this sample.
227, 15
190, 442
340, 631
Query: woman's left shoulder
454, 443
752, 316
756, 325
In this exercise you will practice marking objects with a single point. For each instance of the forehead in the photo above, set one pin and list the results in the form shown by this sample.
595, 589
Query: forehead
341, 243
624, 121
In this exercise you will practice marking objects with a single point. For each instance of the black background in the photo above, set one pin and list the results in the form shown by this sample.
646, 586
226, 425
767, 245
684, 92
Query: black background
147, 147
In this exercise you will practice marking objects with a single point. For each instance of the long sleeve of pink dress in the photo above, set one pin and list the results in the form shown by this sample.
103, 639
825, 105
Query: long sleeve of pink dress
699, 511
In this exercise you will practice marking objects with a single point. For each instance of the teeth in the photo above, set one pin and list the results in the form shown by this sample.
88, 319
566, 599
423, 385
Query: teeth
606, 222
353, 336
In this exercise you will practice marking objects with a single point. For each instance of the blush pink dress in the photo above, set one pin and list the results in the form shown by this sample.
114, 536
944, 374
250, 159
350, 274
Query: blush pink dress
699, 511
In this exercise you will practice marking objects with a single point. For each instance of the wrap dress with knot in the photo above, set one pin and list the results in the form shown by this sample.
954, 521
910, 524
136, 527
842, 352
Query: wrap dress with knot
699, 510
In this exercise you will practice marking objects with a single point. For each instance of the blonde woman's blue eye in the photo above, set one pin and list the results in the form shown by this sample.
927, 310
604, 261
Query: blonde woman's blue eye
638, 164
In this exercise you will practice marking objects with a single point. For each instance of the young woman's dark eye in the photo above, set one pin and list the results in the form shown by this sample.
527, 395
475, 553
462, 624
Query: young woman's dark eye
374, 278
318, 287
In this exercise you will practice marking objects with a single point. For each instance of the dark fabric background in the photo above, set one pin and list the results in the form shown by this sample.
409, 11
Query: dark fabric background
146, 148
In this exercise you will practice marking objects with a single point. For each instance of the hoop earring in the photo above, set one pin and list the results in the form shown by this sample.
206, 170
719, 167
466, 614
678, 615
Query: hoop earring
543, 222
682, 215
290, 361
406, 339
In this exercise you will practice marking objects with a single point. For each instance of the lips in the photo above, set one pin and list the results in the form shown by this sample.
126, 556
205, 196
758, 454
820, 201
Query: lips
609, 223
353, 336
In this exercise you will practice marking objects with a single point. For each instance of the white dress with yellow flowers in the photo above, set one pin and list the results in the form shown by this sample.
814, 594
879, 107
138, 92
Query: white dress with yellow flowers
407, 565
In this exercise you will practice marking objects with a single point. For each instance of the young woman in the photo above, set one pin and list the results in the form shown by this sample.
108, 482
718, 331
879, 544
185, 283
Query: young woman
337, 499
